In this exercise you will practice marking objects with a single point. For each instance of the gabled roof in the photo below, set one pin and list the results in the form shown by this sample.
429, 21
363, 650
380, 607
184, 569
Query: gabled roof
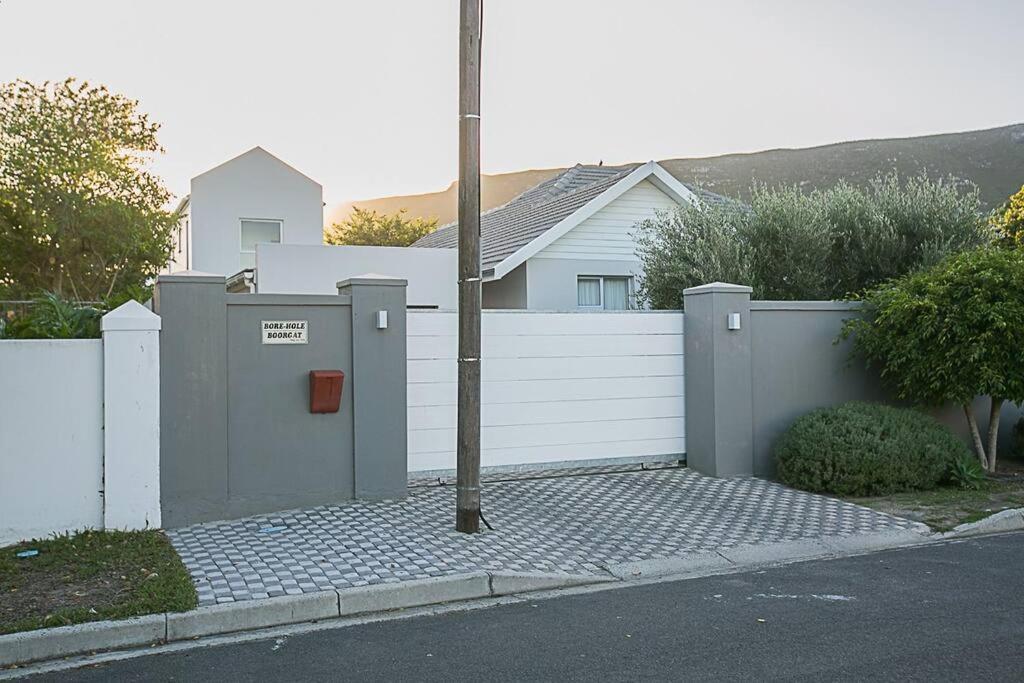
258, 151
514, 232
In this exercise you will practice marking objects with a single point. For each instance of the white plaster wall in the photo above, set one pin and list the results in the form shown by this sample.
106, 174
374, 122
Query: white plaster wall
131, 412
294, 269
254, 185
556, 387
51, 437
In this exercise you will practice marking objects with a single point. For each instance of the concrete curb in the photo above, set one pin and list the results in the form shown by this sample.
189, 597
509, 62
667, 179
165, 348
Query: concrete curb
32, 646
63, 641
761, 554
1006, 520
679, 564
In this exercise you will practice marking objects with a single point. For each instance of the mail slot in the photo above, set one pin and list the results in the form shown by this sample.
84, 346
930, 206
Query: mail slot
325, 390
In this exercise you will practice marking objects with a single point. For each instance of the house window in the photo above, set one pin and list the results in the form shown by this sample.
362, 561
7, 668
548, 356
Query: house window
607, 293
254, 231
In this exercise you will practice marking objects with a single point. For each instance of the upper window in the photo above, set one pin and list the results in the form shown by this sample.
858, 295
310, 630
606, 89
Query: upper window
254, 231
607, 293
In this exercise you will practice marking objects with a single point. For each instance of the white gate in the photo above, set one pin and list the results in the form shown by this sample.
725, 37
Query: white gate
556, 387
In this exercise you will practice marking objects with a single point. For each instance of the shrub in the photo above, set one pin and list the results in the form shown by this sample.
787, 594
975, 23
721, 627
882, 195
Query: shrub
967, 473
866, 449
51, 317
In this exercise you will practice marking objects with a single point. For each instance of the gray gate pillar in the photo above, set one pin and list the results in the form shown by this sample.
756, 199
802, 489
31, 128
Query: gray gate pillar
719, 410
193, 396
380, 443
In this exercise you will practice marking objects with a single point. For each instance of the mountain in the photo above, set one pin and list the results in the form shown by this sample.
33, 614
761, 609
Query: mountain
992, 159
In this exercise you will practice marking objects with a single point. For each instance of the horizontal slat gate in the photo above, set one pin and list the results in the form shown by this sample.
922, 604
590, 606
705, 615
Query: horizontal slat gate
556, 387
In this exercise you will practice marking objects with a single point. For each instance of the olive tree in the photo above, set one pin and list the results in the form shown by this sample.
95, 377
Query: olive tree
825, 244
695, 245
949, 334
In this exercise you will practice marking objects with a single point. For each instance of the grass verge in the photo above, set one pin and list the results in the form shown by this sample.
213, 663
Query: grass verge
91, 576
946, 507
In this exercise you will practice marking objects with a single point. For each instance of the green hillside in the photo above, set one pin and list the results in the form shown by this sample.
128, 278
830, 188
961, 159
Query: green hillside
993, 159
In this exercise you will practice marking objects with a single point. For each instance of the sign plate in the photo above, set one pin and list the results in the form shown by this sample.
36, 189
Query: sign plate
285, 332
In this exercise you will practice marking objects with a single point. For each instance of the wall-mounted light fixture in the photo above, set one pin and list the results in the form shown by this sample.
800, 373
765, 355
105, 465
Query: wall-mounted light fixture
733, 321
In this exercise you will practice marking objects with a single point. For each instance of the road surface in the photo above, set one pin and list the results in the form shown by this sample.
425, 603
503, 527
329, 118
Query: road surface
953, 611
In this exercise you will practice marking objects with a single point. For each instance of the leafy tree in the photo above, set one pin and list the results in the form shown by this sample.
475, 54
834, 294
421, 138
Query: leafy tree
369, 228
80, 215
690, 247
1008, 221
949, 334
826, 244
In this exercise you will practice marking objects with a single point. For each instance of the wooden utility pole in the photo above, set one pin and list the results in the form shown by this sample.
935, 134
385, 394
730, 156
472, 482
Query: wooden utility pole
467, 513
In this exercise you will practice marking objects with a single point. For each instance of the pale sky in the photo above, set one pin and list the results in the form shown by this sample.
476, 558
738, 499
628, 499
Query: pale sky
362, 96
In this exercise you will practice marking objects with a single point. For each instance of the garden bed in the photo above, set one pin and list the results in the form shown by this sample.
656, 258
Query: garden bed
91, 576
946, 507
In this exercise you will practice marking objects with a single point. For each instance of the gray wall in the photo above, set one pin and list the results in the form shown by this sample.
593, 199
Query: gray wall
508, 292
794, 367
237, 437
551, 283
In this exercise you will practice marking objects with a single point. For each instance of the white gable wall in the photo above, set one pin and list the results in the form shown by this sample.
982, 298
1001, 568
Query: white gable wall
606, 235
600, 245
255, 185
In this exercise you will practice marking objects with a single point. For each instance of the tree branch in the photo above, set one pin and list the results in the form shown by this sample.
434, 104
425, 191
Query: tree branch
979, 448
993, 432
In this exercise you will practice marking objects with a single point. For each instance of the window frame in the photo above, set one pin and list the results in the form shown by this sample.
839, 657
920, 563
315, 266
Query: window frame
280, 233
601, 279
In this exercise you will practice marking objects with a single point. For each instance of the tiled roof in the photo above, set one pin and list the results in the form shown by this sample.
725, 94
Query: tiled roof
506, 229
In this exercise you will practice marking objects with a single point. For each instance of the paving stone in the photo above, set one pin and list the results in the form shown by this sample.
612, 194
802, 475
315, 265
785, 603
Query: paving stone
543, 522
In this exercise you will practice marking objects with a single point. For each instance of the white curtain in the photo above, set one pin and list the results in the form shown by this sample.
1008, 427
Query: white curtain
616, 293
588, 291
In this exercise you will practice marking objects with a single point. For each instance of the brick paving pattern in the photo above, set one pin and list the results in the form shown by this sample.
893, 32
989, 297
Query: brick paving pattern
572, 521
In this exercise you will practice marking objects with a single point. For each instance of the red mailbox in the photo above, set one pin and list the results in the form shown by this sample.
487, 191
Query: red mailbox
325, 390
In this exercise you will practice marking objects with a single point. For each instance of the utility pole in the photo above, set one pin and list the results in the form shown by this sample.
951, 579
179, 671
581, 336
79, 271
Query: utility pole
467, 512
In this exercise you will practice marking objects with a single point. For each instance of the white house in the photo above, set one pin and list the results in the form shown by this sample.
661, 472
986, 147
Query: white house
231, 208
567, 244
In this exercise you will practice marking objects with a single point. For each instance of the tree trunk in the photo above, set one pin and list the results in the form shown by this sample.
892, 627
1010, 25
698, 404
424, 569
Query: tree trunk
993, 432
979, 447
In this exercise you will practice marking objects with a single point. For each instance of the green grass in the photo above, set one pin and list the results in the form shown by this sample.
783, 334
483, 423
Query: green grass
946, 507
91, 576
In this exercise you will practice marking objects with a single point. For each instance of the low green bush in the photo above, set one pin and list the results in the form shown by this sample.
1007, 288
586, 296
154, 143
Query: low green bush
52, 317
967, 473
866, 449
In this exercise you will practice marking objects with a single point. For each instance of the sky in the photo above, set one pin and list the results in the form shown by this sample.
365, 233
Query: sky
363, 96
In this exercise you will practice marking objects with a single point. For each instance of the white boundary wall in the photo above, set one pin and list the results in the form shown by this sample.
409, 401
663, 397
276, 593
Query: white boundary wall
79, 430
303, 269
556, 387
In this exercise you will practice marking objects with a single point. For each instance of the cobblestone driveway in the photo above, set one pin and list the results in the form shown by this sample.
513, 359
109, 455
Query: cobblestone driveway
575, 523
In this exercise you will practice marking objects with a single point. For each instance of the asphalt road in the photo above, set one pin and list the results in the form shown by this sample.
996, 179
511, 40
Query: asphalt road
945, 612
